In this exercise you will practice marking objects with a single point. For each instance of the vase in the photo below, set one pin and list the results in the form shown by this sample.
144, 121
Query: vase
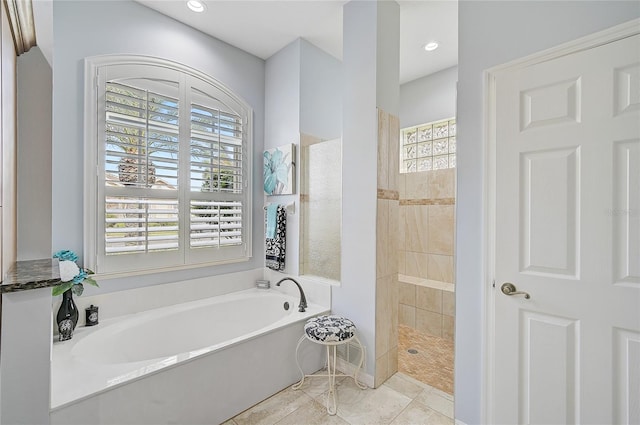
67, 316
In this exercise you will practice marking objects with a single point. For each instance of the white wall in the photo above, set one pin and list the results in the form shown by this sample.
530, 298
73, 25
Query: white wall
26, 356
302, 95
282, 126
34, 155
320, 93
84, 29
361, 94
430, 98
388, 57
491, 33
356, 297
282, 96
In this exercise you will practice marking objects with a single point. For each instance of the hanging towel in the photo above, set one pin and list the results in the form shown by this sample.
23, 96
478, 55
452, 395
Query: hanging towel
275, 247
272, 210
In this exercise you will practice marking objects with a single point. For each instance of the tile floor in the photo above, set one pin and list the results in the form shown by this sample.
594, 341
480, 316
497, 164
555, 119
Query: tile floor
401, 400
433, 362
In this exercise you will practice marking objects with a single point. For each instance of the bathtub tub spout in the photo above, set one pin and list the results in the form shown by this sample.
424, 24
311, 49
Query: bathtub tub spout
303, 300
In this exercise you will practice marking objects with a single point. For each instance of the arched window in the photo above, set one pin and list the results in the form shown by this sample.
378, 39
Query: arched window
168, 172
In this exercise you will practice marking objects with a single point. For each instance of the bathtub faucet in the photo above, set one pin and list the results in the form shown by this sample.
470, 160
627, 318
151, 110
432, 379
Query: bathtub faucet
303, 299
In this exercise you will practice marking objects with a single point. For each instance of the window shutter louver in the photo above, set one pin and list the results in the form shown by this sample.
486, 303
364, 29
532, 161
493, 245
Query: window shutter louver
215, 224
140, 225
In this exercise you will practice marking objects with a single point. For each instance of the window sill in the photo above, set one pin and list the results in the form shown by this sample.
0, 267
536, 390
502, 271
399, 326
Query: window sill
117, 275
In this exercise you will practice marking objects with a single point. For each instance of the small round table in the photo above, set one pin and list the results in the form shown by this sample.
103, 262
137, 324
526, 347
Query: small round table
330, 331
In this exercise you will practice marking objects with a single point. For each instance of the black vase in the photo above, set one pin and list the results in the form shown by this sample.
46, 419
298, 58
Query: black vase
67, 316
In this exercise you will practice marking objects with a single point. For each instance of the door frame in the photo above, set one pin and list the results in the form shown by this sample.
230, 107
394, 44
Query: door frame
490, 75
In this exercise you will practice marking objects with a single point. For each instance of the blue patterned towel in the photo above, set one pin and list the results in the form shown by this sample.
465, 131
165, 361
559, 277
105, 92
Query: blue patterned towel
275, 247
272, 209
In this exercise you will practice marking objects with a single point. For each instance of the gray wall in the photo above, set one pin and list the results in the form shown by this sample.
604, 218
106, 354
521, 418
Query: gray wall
492, 33
34, 155
84, 29
430, 98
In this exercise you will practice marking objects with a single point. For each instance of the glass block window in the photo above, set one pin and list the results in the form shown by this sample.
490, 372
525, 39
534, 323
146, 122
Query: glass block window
430, 146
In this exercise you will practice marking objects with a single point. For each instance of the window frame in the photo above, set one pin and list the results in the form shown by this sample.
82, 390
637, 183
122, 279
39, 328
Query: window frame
98, 70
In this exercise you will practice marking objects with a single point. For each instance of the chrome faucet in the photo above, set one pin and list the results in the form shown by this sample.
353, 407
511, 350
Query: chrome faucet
303, 300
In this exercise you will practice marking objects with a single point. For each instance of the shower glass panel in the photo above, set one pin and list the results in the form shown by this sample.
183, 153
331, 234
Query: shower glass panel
321, 205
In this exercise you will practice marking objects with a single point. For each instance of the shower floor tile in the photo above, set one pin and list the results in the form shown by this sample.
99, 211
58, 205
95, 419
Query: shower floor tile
433, 361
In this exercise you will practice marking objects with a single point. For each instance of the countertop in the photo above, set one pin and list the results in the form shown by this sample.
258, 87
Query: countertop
31, 274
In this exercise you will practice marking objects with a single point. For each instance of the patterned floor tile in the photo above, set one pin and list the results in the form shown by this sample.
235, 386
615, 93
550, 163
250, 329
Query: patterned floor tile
433, 361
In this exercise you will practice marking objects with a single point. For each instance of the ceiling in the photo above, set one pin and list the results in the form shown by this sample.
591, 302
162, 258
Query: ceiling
262, 27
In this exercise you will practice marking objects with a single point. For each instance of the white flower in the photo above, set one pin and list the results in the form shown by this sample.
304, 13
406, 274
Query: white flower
68, 270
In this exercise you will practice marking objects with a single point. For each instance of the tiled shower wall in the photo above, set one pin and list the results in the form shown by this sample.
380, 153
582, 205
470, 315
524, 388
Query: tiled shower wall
387, 222
426, 251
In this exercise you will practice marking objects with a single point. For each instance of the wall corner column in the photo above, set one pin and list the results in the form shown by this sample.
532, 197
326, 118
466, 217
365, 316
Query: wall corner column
371, 93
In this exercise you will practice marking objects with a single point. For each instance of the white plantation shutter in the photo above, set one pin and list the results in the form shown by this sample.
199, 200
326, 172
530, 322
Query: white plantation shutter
216, 176
216, 150
141, 129
173, 167
141, 152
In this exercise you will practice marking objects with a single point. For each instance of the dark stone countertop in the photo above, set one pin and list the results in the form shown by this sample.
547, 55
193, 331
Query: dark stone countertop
31, 274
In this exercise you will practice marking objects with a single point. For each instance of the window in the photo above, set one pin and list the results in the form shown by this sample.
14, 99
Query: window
429, 146
171, 168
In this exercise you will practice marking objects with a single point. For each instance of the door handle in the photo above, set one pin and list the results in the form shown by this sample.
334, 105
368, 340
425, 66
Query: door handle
509, 288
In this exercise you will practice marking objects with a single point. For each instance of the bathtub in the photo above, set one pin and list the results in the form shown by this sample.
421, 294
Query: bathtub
197, 362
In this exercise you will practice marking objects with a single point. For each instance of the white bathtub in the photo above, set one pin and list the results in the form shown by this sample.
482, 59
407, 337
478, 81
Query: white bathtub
197, 362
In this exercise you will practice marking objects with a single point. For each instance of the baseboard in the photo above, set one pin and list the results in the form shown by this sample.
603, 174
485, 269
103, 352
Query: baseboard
458, 422
348, 369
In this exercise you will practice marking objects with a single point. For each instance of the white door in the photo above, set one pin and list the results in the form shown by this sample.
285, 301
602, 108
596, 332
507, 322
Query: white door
567, 232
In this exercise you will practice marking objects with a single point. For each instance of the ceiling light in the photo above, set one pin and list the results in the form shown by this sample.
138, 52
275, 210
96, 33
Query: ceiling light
431, 46
196, 5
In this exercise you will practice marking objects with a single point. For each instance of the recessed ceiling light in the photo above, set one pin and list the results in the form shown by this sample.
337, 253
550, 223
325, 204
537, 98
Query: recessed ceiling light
431, 46
196, 5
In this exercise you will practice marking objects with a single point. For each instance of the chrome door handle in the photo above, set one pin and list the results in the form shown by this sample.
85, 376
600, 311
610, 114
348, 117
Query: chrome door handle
509, 288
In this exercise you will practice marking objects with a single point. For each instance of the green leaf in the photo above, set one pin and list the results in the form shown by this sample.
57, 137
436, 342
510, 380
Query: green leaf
89, 271
62, 288
77, 289
91, 281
